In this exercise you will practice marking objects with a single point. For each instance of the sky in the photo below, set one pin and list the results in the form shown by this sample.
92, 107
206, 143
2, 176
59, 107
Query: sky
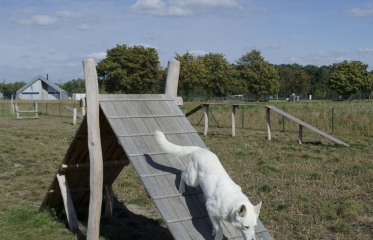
54, 36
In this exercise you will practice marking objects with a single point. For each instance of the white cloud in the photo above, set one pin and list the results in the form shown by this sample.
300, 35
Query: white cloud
150, 35
320, 58
179, 7
275, 47
366, 50
68, 14
52, 51
198, 52
98, 55
83, 27
38, 20
297, 5
341, 59
145, 45
365, 12
70, 64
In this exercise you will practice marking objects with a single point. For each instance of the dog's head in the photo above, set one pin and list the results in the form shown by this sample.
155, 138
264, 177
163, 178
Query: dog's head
245, 219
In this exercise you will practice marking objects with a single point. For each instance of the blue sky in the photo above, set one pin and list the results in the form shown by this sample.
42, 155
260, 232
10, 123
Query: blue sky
54, 36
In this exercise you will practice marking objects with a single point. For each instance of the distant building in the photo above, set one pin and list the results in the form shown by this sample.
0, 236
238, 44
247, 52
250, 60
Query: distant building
41, 89
78, 96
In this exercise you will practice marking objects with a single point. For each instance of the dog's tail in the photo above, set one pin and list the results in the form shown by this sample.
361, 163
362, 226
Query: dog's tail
168, 147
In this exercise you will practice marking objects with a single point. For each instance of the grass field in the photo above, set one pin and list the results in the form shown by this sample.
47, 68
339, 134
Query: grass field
316, 190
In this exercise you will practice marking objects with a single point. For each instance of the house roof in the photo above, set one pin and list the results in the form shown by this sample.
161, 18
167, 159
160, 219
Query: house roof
39, 77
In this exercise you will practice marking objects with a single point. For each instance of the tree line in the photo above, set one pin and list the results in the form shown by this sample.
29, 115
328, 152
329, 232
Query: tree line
137, 70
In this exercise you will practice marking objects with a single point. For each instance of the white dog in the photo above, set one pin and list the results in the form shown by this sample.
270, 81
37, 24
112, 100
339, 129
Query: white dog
224, 198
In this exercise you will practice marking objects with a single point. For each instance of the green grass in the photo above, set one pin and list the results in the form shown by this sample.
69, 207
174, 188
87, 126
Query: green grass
315, 190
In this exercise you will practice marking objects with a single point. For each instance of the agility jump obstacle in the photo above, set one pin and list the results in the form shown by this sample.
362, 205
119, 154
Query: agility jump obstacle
30, 111
125, 134
268, 120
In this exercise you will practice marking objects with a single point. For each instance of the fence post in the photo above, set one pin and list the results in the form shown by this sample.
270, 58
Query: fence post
46, 109
2, 108
332, 120
283, 121
59, 109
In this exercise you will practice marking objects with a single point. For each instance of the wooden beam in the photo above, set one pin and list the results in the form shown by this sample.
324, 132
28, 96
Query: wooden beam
300, 134
74, 117
268, 117
94, 147
233, 120
206, 119
80, 166
36, 109
108, 193
68, 203
72, 190
17, 111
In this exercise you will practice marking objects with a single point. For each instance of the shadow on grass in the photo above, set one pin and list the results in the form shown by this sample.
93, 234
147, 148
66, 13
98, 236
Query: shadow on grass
124, 225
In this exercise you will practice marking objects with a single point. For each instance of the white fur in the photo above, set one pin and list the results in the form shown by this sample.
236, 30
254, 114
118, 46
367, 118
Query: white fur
224, 198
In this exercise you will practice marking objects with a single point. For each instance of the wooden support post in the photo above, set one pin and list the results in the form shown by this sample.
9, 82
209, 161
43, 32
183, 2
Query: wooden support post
300, 134
206, 120
94, 147
36, 109
82, 105
17, 112
68, 203
233, 121
268, 117
11, 106
172, 80
74, 117
108, 193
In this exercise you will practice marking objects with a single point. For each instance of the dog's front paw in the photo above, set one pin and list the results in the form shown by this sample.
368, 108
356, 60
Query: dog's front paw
213, 232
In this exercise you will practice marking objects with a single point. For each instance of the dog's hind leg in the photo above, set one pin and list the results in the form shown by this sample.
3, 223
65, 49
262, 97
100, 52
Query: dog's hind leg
217, 230
182, 184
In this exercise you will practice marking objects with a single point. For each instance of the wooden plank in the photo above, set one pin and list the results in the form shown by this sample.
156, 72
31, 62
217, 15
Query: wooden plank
120, 109
167, 212
108, 193
72, 110
165, 185
151, 124
260, 227
175, 162
113, 97
300, 134
141, 145
233, 232
74, 116
118, 127
307, 125
179, 208
141, 126
152, 187
197, 140
198, 229
233, 120
264, 236
68, 203
178, 231
194, 110
191, 206
94, 145
206, 120
78, 166
130, 108
268, 118
141, 108
129, 145
140, 165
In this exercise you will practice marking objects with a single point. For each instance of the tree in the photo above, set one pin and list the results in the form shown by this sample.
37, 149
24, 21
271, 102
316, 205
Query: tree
293, 81
129, 70
219, 74
350, 78
256, 75
193, 74
73, 86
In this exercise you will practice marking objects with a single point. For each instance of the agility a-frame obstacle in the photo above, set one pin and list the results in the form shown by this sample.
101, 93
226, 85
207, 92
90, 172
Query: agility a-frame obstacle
127, 125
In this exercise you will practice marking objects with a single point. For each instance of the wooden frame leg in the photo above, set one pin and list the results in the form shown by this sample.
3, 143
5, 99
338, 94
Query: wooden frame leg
233, 121
74, 117
300, 134
268, 117
36, 109
206, 120
108, 193
68, 203
17, 112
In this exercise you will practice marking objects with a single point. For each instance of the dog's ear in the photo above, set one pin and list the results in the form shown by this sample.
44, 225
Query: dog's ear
257, 209
241, 211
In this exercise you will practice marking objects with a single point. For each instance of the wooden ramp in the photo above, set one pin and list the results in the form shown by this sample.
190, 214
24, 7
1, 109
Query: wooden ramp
79, 115
127, 125
303, 124
300, 122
